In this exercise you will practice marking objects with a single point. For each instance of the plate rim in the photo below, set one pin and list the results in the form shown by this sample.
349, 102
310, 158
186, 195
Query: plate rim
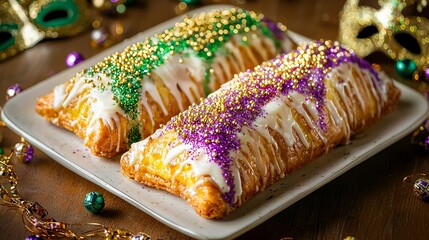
8, 118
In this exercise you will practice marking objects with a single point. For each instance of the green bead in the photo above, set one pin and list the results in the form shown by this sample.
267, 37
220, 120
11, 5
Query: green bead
93, 202
405, 67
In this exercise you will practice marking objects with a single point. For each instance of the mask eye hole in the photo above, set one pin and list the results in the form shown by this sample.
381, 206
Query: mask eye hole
7, 35
367, 32
367, 3
55, 15
408, 41
6, 40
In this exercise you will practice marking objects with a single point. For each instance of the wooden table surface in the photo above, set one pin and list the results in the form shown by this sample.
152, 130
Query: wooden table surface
368, 202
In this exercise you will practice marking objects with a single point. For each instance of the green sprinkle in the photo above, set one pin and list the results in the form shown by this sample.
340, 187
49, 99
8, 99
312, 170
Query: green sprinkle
207, 89
134, 134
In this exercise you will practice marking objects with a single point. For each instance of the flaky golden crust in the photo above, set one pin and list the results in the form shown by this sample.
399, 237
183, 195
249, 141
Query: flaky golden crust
145, 162
203, 195
75, 118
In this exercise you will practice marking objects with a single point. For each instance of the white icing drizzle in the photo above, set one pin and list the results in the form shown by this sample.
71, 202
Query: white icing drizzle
226, 64
103, 107
133, 154
194, 66
381, 88
235, 52
198, 159
342, 79
256, 42
59, 96
237, 180
250, 146
78, 87
270, 46
221, 65
304, 106
337, 118
279, 118
174, 152
174, 75
148, 87
201, 166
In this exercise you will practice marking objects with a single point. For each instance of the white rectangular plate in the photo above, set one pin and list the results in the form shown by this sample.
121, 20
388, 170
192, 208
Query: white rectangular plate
68, 150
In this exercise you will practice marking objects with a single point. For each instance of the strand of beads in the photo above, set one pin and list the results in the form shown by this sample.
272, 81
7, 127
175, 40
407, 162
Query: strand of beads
34, 216
420, 186
36, 219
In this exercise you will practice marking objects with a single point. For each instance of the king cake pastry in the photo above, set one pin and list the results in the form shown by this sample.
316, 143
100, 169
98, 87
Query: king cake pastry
262, 125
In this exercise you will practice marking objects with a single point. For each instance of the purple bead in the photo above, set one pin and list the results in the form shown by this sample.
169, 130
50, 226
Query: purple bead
421, 188
13, 90
29, 154
74, 58
140, 236
23, 151
34, 237
422, 183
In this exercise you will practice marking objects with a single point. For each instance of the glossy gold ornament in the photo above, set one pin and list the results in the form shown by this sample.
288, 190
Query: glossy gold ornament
398, 28
24, 23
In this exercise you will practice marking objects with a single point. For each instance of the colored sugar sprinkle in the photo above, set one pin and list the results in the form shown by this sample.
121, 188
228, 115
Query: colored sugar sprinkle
201, 36
213, 125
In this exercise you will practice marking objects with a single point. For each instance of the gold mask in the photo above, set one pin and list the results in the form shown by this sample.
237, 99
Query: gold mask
23, 23
397, 29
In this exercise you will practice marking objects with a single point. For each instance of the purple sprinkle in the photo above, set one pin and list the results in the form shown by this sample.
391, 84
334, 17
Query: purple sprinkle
278, 33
